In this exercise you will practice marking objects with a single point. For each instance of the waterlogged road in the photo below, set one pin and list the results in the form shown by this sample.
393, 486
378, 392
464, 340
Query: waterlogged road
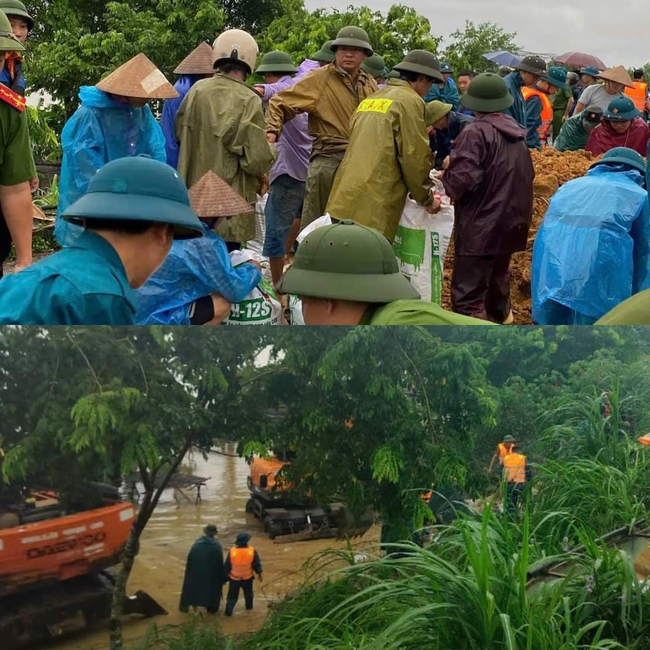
177, 523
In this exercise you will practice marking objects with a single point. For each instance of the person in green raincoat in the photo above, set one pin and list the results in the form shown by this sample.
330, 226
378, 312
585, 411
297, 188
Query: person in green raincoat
388, 156
204, 574
577, 129
220, 127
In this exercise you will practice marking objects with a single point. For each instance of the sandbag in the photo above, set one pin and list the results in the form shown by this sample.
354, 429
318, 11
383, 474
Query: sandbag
261, 306
421, 244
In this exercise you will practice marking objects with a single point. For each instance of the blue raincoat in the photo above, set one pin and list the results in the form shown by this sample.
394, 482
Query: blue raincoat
101, 130
518, 109
168, 120
448, 94
194, 268
592, 250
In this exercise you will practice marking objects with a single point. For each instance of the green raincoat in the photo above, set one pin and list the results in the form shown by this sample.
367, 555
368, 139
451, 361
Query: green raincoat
387, 158
572, 135
204, 576
220, 127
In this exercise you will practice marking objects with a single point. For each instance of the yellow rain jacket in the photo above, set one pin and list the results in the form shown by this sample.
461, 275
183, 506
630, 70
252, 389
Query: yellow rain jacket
220, 127
388, 157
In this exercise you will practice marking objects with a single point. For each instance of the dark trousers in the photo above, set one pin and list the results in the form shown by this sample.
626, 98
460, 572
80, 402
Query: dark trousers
514, 493
5, 242
480, 286
233, 594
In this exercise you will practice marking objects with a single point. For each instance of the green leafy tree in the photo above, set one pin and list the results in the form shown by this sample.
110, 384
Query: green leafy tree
392, 34
113, 402
468, 46
80, 42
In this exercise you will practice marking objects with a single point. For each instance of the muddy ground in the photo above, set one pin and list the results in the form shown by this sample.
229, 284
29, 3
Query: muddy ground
552, 169
178, 522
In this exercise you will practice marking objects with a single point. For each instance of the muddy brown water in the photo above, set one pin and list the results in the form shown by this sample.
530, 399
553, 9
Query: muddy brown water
178, 522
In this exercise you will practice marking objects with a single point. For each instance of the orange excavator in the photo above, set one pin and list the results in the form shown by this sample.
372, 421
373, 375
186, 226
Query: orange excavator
295, 518
54, 576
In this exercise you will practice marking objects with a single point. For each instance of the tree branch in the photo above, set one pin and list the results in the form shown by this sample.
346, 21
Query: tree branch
83, 354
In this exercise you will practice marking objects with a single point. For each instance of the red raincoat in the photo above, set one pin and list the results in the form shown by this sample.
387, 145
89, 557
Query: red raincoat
603, 138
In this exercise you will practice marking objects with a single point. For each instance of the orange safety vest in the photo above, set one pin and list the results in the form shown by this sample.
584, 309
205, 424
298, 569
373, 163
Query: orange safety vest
547, 111
241, 563
504, 448
638, 94
514, 468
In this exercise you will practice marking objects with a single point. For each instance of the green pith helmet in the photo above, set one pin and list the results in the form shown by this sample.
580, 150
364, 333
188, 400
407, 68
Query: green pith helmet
421, 62
8, 42
435, 111
556, 76
18, 9
325, 54
277, 62
533, 64
622, 156
138, 189
353, 37
393, 74
509, 439
347, 261
487, 93
374, 65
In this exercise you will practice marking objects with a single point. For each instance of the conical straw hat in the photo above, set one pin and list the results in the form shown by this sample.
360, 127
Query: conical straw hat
618, 75
199, 61
138, 78
212, 197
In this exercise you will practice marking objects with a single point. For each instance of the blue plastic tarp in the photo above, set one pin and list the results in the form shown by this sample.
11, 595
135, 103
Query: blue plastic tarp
592, 250
194, 268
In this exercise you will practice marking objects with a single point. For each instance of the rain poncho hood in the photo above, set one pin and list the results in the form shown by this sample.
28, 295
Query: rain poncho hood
101, 130
168, 120
592, 251
193, 269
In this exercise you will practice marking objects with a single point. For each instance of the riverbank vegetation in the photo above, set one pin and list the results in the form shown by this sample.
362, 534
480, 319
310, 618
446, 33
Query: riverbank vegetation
374, 417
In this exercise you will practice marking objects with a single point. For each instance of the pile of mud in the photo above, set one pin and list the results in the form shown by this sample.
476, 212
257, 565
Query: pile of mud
552, 169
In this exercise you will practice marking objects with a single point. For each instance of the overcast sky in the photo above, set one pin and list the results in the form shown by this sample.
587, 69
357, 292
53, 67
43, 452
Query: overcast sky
617, 32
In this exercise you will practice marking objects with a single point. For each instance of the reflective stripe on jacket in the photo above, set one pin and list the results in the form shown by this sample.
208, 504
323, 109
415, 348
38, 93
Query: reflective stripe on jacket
547, 111
241, 560
514, 468
638, 94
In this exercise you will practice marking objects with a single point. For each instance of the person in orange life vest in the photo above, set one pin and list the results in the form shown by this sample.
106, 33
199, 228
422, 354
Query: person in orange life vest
539, 108
638, 94
516, 473
503, 449
242, 563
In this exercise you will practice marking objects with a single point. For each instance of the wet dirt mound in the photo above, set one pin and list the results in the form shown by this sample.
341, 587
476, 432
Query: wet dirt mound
552, 169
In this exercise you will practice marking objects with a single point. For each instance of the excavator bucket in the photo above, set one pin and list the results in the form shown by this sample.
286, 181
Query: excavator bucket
144, 605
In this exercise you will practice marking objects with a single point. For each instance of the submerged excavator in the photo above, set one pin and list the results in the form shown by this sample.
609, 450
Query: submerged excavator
292, 517
55, 564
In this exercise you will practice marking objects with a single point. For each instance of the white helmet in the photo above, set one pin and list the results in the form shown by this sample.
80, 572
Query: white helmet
236, 45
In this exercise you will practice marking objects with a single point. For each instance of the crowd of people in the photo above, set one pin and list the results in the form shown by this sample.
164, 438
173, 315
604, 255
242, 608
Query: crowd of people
155, 217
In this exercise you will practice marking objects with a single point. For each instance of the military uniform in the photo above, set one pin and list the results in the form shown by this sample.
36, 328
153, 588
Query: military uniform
86, 283
634, 311
16, 160
330, 96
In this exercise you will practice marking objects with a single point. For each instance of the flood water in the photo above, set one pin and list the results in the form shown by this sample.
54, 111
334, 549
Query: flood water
178, 522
